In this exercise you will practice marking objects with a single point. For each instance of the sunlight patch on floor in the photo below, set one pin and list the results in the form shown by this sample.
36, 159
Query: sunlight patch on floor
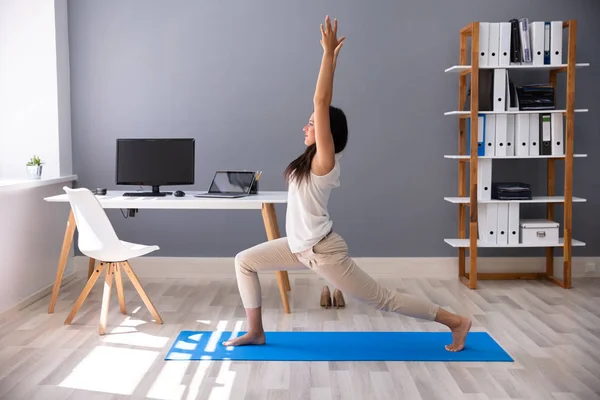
223, 383
111, 370
198, 378
133, 337
127, 334
167, 385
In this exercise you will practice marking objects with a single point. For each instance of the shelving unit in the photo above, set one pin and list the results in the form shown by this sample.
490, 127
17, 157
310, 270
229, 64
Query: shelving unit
470, 200
467, 114
464, 157
467, 68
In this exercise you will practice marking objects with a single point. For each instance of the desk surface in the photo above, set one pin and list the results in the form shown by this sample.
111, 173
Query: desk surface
115, 199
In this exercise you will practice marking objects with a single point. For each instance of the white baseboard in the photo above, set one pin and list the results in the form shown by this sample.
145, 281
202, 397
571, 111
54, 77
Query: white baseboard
45, 291
401, 267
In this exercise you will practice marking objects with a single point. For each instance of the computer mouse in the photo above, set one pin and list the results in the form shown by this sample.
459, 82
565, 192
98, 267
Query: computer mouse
179, 193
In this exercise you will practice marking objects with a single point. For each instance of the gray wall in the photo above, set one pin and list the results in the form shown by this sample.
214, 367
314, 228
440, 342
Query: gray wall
239, 78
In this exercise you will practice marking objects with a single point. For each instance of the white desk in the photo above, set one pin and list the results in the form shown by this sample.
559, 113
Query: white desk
264, 201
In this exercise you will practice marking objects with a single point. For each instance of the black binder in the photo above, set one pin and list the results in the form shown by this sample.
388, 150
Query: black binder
545, 135
515, 42
486, 91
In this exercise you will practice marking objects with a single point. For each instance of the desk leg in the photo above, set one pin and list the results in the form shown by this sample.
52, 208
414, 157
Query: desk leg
66, 246
272, 229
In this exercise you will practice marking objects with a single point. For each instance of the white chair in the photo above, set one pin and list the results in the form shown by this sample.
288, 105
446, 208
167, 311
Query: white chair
98, 240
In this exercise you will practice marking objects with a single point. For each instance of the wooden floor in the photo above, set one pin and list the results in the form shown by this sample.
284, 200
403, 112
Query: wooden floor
553, 335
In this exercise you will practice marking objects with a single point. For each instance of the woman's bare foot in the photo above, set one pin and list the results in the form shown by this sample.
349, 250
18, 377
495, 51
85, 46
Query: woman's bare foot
459, 334
250, 338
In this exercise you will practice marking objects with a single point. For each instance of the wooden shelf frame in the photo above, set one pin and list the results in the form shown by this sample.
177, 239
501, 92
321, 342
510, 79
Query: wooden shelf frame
466, 69
470, 192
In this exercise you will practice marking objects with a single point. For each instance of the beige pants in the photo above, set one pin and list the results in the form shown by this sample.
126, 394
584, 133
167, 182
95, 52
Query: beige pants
329, 259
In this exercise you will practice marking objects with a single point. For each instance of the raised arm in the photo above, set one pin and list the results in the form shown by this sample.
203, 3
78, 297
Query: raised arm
324, 159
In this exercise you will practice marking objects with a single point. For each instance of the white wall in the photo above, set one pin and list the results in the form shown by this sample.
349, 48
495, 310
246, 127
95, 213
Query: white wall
63, 88
35, 118
34, 77
31, 235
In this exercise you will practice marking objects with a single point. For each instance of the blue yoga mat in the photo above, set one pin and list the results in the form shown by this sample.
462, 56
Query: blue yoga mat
337, 346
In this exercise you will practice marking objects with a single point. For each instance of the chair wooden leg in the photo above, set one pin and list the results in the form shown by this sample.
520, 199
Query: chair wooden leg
120, 292
138, 286
106, 297
91, 265
85, 292
62, 262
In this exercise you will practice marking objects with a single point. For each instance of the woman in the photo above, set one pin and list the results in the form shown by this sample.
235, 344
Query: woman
310, 241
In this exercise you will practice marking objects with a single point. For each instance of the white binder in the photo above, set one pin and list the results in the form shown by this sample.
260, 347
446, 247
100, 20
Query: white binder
521, 135
494, 44
504, 49
525, 41
484, 178
557, 134
490, 135
484, 43
481, 221
537, 42
501, 133
499, 89
502, 226
491, 222
510, 134
556, 39
534, 134
513, 223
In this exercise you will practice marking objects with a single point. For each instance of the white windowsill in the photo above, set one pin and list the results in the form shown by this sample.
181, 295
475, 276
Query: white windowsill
15, 184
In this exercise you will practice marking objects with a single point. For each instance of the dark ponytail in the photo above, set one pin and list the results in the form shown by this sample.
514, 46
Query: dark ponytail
299, 169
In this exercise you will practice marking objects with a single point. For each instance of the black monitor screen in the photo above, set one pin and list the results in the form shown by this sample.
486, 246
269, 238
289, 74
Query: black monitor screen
155, 161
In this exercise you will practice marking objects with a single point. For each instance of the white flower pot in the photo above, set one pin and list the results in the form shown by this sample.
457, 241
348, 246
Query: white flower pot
34, 171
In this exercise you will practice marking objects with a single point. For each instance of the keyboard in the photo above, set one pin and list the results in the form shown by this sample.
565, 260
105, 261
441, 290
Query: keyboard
146, 194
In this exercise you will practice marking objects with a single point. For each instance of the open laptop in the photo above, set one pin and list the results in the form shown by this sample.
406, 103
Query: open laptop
230, 184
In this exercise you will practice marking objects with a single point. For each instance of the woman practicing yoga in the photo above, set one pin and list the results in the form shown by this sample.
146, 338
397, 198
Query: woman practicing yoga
310, 241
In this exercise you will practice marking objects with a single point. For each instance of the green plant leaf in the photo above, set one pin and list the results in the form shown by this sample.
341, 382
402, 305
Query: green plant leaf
35, 160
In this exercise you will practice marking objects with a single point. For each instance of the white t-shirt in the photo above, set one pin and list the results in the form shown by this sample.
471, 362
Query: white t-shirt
307, 217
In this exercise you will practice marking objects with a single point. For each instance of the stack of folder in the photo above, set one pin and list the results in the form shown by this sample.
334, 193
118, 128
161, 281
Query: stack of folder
518, 135
519, 41
498, 223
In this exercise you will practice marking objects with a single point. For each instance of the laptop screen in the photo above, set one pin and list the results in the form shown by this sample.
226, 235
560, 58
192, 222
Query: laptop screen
232, 182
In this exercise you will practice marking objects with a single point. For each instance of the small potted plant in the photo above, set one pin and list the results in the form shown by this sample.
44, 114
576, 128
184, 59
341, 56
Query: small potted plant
34, 167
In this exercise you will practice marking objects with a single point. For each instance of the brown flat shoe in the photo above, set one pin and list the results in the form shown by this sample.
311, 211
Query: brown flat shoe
325, 297
338, 299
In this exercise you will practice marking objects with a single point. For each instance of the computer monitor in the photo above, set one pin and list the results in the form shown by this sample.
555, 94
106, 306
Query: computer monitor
155, 162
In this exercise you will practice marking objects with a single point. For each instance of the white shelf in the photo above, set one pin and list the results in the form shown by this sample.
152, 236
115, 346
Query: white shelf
480, 243
535, 199
467, 157
461, 68
515, 112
